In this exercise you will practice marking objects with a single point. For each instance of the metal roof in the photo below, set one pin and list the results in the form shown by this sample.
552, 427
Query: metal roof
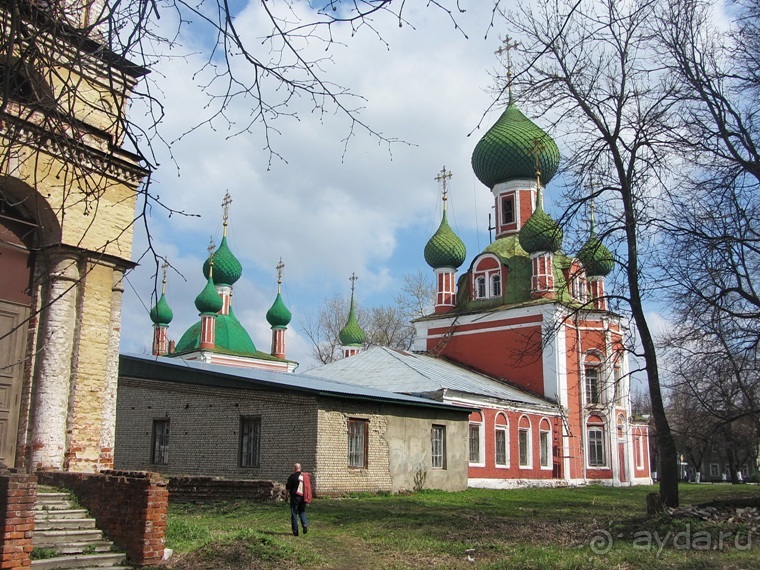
194, 372
406, 372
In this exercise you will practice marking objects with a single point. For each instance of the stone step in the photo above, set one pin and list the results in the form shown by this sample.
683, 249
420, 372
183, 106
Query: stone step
41, 515
79, 561
91, 547
56, 538
64, 524
45, 506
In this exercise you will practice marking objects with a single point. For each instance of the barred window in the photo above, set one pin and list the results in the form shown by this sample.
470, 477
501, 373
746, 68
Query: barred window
475, 443
250, 442
544, 444
524, 445
438, 440
160, 443
357, 443
501, 446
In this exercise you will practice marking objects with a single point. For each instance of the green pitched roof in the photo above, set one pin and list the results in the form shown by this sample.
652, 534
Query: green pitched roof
445, 249
162, 313
506, 151
230, 338
278, 314
227, 269
352, 334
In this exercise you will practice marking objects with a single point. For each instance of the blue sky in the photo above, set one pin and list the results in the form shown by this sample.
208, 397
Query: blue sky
328, 209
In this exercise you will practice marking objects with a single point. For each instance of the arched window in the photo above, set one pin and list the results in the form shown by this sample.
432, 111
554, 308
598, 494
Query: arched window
545, 444
501, 440
525, 442
496, 285
475, 440
480, 287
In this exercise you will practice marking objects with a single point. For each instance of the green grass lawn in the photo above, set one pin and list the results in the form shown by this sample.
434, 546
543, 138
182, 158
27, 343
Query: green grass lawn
590, 527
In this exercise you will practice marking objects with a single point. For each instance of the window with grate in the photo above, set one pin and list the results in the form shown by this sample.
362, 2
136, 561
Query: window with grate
160, 455
250, 442
357, 443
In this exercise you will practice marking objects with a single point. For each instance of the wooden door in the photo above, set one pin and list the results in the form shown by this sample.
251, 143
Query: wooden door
13, 328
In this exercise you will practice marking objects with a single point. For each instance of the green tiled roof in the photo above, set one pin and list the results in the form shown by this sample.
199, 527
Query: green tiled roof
162, 313
506, 151
227, 269
596, 258
352, 334
445, 249
230, 338
540, 232
278, 314
208, 300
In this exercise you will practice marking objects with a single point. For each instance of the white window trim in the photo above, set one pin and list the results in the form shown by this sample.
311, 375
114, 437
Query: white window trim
640, 447
481, 444
549, 465
605, 451
505, 428
716, 470
529, 455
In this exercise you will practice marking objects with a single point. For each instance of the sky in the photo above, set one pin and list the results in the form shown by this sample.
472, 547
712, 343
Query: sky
327, 208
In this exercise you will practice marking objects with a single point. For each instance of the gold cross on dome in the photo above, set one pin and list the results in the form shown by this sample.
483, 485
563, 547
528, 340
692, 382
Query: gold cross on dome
226, 207
164, 266
280, 267
442, 177
509, 45
353, 279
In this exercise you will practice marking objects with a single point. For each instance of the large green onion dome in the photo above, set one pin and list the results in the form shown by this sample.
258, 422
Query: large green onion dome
540, 232
278, 314
162, 313
506, 151
352, 334
596, 258
208, 301
229, 338
445, 249
227, 269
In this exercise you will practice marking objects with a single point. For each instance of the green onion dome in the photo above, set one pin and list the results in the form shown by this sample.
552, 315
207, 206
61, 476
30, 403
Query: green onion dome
596, 258
227, 269
445, 249
229, 338
540, 232
278, 314
208, 301
162, 313
506, 151
352, 334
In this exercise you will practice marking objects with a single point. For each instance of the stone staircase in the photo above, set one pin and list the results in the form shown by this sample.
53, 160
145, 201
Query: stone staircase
69, 537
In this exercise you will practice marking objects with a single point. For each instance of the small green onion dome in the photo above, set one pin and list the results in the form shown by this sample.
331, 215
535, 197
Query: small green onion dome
352, 334
445, 249
227, 269
596, 258
506, 151
162, 313
540, 232
209, 301
278, 314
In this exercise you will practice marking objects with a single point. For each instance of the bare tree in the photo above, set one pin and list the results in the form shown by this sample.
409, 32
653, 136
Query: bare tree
588, 64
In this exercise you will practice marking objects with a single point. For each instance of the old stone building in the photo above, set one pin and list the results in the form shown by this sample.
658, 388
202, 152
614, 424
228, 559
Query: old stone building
67, 200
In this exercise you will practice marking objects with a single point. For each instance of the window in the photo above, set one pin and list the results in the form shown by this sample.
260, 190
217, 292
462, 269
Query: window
357, 443
507, 210
714, 470
639, 447
593, 394
480, 287
544, 444
160, 442
496, 285
438, 437
250, 442
596, 447
501, 446
475, 447
524, 445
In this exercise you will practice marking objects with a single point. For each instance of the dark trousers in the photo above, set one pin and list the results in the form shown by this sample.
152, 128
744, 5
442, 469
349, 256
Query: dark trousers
297, 510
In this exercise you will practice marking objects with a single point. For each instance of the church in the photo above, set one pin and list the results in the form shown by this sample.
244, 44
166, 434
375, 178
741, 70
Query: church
524, 335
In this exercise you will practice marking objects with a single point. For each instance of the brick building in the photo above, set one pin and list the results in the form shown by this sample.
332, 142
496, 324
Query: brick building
181, 417
67, 201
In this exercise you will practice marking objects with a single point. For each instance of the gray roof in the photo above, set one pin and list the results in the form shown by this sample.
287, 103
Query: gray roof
195, 372
409, 373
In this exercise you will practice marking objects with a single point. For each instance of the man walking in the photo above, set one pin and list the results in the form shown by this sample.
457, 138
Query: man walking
299, 492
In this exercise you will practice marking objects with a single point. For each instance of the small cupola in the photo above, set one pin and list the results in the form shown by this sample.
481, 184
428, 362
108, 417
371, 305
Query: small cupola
351, 336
